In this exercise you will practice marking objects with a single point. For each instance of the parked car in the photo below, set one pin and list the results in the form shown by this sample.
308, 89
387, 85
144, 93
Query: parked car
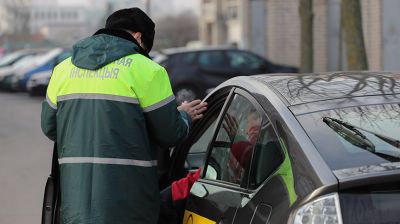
11, 58
326, 150
8, 62
194, 72
7, 74
37, 84
41, 63
47, 66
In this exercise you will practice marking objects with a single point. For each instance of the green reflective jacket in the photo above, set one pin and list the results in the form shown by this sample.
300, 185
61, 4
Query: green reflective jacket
108, 107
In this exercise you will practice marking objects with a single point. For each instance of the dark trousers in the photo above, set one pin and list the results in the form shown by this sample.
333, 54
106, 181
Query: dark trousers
171, 212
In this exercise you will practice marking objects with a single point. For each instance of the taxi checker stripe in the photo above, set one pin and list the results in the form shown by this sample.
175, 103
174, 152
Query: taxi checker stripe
52, 105
159, 104
97, 96
109, 161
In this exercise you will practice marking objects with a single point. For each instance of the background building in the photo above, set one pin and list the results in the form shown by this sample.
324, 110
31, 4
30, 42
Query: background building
59, 24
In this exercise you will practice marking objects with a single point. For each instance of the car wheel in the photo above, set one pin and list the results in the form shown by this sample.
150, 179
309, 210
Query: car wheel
185, 93
33, 92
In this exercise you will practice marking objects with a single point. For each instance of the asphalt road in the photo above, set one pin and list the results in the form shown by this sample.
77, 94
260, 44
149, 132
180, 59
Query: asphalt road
25, 159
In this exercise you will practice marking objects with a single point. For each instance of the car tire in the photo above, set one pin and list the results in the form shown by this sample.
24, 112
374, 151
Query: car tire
33, 92
185, 93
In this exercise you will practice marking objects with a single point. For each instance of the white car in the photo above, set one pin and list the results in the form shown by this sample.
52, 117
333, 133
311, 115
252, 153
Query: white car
38, 61
7, 73
8, 62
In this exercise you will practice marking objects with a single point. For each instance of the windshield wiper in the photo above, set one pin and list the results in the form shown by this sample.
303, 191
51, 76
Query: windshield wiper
387, 139
350, 133
355, 137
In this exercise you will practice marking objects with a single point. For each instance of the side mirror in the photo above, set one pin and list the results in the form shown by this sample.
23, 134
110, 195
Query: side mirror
199, 190
211, 173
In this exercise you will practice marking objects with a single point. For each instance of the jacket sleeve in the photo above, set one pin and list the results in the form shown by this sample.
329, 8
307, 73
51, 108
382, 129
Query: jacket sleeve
49, 111
166, 125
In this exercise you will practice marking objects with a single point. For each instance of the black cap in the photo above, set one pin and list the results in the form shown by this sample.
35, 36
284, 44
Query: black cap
135, 20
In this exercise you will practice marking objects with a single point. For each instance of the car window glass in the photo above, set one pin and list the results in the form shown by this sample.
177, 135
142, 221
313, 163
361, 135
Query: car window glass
202, 134
232, 149
187, 58
267, 155
355, 136
243, 60
211, 59
200, 146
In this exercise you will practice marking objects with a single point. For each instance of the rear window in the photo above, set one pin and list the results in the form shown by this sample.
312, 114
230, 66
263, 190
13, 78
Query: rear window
355, 136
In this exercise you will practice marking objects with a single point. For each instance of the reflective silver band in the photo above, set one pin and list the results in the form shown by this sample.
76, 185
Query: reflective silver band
52, 105
159, 104
97, 96
109, 161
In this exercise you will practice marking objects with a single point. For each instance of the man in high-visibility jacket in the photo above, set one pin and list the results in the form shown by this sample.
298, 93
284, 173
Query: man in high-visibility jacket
108, 107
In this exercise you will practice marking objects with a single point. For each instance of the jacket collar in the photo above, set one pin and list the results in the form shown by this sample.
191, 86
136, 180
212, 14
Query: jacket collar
124, 35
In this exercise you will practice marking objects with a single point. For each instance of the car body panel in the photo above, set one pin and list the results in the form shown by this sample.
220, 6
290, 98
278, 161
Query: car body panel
365, 175
307, 88
317, 106
221, 201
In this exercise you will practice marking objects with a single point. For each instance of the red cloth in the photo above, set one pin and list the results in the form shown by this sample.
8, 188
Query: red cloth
181, 188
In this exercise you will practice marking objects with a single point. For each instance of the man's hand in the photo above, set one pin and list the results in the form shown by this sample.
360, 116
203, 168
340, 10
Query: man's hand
231, 126
195, 108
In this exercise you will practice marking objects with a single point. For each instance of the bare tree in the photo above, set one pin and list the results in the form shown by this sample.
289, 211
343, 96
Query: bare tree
306, 22
176, 31
353, 35
19, 14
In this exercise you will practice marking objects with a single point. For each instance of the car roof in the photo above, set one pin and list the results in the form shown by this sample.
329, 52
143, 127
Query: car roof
188, 50
298, 89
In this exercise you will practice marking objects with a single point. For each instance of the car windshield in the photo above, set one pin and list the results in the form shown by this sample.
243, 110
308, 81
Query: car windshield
355, 136
26, 60
9, 58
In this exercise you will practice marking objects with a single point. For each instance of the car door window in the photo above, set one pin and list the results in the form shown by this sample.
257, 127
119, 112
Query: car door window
188, 58
213, 59
200, 146
202, 134
232, 149
243, 60
268, 155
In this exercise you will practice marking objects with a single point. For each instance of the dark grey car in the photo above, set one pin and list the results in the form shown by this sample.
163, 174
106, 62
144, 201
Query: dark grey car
288, 148
194, 72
